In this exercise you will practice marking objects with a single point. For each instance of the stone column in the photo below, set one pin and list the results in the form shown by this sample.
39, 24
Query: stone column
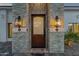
56, 39
20, 42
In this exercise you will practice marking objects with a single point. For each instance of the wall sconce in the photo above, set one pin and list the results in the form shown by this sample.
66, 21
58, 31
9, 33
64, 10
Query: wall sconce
18, 23
58, 23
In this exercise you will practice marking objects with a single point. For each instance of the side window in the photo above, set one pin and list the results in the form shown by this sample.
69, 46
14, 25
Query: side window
70, 27
9, 30
76, 27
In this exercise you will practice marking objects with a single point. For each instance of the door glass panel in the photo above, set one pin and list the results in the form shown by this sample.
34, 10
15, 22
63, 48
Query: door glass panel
38, 27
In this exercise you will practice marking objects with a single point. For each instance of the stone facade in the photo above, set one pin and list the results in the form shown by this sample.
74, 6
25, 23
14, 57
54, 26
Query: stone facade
56, 42
56, 39
21, 42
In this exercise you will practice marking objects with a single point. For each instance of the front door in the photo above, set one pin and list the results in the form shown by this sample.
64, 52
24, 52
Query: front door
38, 31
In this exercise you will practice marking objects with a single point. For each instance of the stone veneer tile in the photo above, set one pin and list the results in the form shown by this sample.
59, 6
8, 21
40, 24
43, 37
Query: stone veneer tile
56, 42
20, 43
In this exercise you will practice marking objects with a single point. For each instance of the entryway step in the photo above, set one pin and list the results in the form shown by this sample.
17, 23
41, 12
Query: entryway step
39, 50
38, 54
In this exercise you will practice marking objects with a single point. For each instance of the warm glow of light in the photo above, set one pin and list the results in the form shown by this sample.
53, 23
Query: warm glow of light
58, 23
62, 22
52, 23
22, 23
18, 23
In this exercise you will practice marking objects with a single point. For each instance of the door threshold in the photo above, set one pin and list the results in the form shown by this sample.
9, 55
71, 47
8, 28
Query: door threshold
39, 50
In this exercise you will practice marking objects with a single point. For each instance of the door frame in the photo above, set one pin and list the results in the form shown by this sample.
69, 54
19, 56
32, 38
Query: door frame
32, 15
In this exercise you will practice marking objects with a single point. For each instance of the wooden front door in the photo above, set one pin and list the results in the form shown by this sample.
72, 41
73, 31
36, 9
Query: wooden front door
38, 31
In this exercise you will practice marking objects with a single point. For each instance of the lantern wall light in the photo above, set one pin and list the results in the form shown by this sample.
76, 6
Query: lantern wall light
18, 23
58, 23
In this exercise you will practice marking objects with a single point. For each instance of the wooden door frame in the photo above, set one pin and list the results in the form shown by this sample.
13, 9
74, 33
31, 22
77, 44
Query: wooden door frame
32, 15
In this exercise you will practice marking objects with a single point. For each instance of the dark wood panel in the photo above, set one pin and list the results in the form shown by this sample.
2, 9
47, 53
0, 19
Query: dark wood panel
38, 41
